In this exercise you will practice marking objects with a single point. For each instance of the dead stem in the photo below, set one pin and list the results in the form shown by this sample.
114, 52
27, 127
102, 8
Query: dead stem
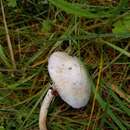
8, 37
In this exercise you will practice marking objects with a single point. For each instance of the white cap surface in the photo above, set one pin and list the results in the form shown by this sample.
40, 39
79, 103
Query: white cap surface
70, 79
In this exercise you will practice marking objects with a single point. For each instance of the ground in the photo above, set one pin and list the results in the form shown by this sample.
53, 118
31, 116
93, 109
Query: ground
96, 31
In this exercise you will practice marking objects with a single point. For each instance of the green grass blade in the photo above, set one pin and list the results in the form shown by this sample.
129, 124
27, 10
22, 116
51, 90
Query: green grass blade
44, 90
77, 10
123, 5
105, 106
2, 128
123, 51
22, 81
4, 58
15, 85
121, 105
34, 57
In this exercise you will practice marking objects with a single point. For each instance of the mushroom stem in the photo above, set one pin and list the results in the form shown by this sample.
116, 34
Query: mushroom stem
44, 109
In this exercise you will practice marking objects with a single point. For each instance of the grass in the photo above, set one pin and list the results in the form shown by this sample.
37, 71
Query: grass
100, 38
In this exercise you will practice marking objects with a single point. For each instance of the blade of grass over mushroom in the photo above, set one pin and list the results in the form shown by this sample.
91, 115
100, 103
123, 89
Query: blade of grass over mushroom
77, 10
123, 51
4, 58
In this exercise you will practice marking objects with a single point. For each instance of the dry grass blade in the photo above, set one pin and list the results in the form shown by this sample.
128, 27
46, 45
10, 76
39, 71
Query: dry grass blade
121, 93
7, 36
97, 87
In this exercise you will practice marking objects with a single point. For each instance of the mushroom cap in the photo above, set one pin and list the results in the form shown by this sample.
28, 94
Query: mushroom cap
70, 78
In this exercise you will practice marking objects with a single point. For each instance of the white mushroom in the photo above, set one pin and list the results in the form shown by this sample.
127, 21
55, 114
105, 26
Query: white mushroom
70, 80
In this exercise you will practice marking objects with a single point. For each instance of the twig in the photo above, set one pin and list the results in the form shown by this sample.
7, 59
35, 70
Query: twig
8, 37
